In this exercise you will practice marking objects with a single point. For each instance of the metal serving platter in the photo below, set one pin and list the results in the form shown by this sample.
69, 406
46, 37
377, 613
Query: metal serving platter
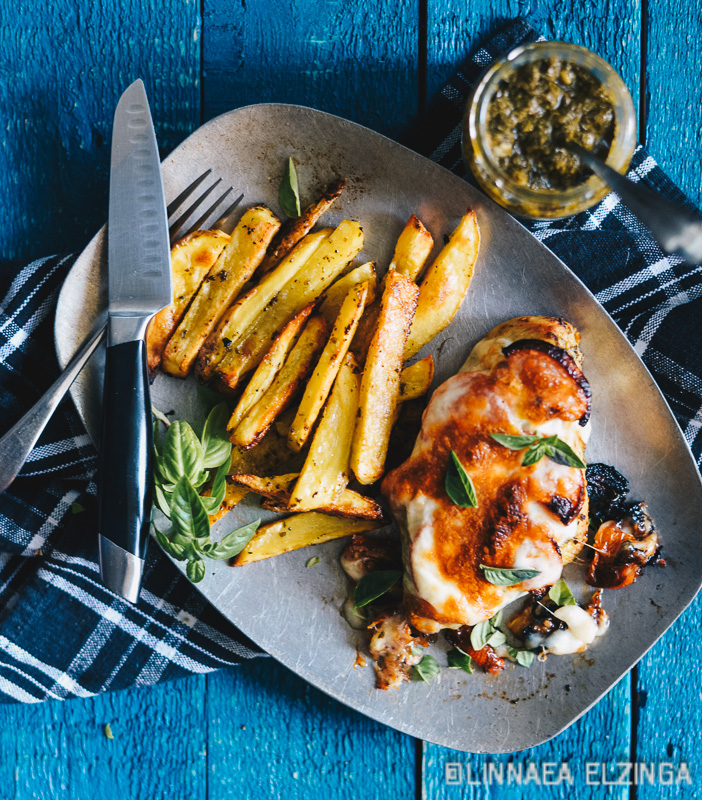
293, 612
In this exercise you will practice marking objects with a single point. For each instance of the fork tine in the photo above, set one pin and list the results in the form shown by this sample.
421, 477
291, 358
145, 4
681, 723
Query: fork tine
183, 196
223, 223
178, 224
206, 215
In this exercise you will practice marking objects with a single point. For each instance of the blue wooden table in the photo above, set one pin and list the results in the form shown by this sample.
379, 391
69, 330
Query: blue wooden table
259, 731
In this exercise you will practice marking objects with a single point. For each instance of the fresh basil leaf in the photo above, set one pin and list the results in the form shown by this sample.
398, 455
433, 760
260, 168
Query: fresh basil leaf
427, 669
459, 486
562, 453
182, 454
416, 651
188, 514
499, 576
208, 398
233, 543
525, 658
215, 440
496, 620
457, 658
561, 595
373, 585
160, 416
534, 454
173, 549
289, 192
496, 639
219, 488
514, 442
312, 562
480, 634
195, 570
161, 500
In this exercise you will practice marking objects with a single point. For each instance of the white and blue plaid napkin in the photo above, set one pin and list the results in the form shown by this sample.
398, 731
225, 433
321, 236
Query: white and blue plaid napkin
62, 634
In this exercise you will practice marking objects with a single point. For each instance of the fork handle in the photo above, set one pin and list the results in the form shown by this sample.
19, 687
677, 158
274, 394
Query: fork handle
125, 468
18, 442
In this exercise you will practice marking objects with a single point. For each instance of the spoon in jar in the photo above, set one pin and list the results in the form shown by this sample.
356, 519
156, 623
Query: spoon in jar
676, 228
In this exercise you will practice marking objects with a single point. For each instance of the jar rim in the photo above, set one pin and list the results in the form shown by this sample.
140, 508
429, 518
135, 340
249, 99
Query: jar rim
623, 143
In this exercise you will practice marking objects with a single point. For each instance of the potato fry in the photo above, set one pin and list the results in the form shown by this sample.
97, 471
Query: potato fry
380, 384
325, 472
235, 265
416, 380
299, 530
294, 229
244, 313
330, 258
270, 455
445, 285
412, 249
191, 259
336, 294
297, 366
324, 375
269, 367
234, 494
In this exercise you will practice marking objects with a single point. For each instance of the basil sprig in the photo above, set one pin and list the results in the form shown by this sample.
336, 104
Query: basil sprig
539, 446
458, 659
183, 465
525, 658
459, 486
500, 576
427, 669
561, 595
487, 632
289, 192
374, 585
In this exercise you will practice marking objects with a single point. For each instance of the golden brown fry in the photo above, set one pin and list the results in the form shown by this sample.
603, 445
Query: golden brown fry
445, 284
270, 455
416, 380
191, 259
234, 494
337, 292
299, 530
235, 265
334, 253
269, 367
294, 229
350, 504
285, 384
412, 249
324, 375
380, 384
325, 472
243, 315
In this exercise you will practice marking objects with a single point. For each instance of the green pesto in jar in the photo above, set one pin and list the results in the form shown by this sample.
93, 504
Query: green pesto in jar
539, 108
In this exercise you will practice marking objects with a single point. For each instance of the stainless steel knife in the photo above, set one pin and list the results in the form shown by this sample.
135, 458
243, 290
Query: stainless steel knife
139, 281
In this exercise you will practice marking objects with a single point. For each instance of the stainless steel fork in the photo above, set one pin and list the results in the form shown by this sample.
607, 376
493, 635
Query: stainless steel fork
18, 442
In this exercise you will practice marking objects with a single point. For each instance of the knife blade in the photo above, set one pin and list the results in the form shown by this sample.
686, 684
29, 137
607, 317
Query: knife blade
139, 285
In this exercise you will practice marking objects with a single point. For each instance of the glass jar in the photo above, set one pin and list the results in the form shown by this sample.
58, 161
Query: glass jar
496, 182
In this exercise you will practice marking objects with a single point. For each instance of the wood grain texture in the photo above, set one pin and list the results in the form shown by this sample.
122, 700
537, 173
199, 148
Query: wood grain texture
59, 749
270, 734
64, 66
358, 60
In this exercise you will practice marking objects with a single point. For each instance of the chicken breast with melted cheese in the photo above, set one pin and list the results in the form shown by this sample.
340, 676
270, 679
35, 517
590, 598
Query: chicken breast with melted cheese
523, 378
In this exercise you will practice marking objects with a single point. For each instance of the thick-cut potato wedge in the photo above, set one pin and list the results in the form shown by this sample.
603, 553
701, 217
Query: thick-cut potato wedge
294, 229
270, 455
335, 252
412, 249
240, 317
235, 265
299, 530
380, 384
337, 292
297, 366
191, 259
324, 375
445, 284
325, 473
268, 368
416, 380
234, 494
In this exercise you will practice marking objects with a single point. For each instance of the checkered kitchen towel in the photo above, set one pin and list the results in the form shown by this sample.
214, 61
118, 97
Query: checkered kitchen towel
63, 635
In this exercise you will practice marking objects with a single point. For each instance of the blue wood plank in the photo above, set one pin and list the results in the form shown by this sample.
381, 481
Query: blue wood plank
59, 749
63, 67
358, 60
273, 735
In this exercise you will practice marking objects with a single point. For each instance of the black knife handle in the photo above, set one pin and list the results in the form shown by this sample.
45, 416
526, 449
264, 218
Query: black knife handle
126, 449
